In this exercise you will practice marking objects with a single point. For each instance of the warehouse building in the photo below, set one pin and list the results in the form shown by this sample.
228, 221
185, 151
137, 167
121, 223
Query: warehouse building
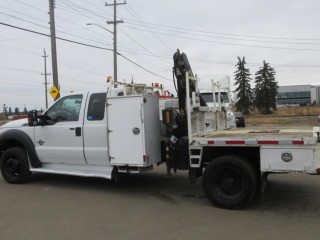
297, 95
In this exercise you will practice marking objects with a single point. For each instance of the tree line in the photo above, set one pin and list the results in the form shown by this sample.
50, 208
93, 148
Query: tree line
262, 96
8, 111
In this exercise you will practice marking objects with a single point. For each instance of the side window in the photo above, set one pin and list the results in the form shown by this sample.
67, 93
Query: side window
96, 107
66, 109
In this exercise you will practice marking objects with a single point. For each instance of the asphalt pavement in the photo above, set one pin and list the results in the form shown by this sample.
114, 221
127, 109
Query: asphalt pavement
154, 206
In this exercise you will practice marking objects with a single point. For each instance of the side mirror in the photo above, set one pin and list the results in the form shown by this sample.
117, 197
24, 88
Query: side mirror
43, 119
32, 118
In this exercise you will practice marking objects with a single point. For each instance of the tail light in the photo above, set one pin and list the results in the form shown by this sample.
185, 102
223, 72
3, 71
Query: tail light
145, 158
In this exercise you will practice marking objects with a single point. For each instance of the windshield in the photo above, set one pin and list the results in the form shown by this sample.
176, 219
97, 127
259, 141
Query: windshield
208, 98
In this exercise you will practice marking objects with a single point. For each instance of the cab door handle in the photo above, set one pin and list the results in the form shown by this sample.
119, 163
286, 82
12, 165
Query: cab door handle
78, 131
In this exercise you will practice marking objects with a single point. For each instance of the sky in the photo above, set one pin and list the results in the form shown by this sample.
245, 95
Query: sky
212, 33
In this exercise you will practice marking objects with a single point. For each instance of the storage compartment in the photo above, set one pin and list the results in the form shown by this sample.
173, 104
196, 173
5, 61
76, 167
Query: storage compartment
287, 159
134, 130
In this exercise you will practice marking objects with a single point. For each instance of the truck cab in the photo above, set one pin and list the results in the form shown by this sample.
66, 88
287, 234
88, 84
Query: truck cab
215, 92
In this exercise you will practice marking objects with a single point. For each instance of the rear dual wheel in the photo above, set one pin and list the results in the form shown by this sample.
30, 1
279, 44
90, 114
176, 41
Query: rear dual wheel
15, 165
230, 182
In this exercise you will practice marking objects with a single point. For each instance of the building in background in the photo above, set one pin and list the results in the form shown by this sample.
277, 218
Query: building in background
297, 95
315, 94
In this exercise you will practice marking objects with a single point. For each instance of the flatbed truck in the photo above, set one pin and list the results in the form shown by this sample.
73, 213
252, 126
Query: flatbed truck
93, 134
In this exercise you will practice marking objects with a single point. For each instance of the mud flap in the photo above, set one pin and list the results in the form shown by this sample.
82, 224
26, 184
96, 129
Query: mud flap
194, 173
263, 184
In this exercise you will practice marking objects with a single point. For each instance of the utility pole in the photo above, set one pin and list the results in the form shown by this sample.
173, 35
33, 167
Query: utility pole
115, 22
45, 76
53, 47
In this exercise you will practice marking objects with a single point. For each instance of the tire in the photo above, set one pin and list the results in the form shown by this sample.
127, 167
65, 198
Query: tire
15, 165
230, 182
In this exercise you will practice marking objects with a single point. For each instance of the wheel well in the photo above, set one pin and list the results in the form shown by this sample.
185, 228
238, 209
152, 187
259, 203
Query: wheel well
9, 144
250, 153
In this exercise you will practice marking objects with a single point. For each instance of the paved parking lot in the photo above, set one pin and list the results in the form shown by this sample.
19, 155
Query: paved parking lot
154, 206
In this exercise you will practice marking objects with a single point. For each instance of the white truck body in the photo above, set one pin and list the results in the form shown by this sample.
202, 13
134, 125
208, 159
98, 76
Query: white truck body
112, 142
90, 134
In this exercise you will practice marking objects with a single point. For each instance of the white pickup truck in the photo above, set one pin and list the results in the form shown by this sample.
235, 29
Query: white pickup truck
79, 135
91, 134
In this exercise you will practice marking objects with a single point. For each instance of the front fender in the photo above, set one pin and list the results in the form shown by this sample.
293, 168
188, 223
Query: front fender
15, 137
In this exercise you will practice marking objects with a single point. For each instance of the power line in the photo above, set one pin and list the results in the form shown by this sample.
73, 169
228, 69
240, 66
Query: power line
195, 32
18, 69
18, 80
38, 9
140, 44
20, 50
229, 34
11, 10
40, 20
83, 9
219, 37
91, 3
195, 60
82, 28
137, 16
19, 84
82, 44
69, 63
233, 44
23, 20
144, 68
72, 9
143, 23
74, 35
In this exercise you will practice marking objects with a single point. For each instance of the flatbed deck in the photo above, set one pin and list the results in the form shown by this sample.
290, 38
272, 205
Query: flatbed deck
304, 135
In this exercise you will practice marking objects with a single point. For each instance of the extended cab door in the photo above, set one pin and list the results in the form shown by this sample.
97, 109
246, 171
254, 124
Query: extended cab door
95, 130
60, 140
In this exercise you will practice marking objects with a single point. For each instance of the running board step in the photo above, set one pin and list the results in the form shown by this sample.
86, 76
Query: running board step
106, 173
195, 154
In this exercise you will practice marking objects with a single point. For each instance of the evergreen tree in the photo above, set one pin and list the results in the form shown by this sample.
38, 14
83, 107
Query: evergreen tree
243, 90
16, 111
266, 89
25, 111
10, 111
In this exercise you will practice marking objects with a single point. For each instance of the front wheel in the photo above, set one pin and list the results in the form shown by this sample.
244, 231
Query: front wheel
230, 182
15, 165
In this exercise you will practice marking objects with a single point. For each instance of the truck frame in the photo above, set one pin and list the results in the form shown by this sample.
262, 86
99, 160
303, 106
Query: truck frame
93, 134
